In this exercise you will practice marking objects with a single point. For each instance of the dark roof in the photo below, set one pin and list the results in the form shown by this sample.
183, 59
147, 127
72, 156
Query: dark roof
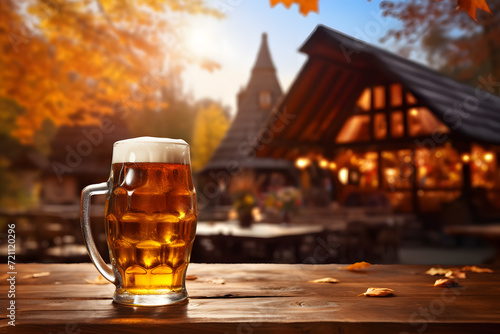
93, 156
236, 146
338, 69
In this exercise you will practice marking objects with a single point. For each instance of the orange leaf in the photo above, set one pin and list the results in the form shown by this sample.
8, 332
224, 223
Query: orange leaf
377, 292
446, 282
471, 6
358, 266
305, 6
476, 269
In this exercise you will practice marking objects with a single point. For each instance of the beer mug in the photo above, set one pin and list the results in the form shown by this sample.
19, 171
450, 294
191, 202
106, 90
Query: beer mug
150, 217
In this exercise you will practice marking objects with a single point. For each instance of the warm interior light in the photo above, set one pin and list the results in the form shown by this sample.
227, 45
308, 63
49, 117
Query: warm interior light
323, 163
343, 175
488, 157
332, 165
414, 111
465, 157
302, 163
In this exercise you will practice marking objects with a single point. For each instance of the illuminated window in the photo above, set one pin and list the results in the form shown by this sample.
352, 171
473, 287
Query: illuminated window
356, 128
379, 126
379, 97
397, 124
423, 122
484, 168
365, 99
396, 169
410, 99
265, 99
438, 168
396, 95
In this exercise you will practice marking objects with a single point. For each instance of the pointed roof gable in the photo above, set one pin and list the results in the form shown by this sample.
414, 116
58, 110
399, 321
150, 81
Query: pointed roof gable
264, 61
250, 118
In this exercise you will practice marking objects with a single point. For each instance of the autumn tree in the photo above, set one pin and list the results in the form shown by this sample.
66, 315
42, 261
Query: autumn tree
72, 61
453, 43
210, 127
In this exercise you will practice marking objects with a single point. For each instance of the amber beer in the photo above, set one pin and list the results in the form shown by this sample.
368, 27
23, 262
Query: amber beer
150, 219
151, 224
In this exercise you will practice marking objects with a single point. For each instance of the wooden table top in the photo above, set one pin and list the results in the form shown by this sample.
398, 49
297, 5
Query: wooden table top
258, 298
489, 231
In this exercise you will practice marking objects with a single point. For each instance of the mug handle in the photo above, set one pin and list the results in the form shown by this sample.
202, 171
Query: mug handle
87, 193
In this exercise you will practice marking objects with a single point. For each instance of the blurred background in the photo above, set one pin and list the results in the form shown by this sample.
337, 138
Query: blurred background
365, 131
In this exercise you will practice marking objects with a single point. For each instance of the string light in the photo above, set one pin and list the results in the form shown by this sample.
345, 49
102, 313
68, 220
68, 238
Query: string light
302, 163
465, 157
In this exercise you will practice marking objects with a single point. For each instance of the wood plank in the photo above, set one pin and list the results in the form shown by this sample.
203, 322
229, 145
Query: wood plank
263, 298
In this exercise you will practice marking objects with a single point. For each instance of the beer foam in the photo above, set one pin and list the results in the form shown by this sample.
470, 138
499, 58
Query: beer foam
151, 149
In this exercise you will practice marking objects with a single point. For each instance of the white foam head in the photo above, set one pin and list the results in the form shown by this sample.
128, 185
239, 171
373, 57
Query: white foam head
151, 149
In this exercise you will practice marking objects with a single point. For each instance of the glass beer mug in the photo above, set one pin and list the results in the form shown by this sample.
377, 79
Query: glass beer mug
150, 217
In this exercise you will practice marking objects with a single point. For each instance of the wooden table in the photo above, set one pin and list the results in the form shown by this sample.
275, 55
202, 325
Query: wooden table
259, 298
265, 239
489, 232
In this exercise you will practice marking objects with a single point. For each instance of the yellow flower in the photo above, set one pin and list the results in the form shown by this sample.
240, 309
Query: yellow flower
248, 199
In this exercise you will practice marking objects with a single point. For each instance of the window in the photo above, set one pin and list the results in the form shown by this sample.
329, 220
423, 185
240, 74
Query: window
421, 121
396, 95
379, 97
397, 124
379, 126
265, 100
356, 128
365, 100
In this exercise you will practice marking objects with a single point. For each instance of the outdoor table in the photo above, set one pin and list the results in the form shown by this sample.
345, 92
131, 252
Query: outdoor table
259, 298
489, 232
270, 237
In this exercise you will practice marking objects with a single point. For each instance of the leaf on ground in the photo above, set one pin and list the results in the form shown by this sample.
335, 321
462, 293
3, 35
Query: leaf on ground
378, 292
325, 280
36, 275
437, 271
98, 280
305, 6
446, 282
455, 274
358, 266
191, 277
476, 269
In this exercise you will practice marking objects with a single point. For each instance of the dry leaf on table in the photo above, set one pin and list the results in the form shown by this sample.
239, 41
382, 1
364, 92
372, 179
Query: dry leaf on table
455, 274
36, 275
476, 269
358, 266
446, 282
97, 280
325, 280
191, 277
378, 292
215, 280
437, 271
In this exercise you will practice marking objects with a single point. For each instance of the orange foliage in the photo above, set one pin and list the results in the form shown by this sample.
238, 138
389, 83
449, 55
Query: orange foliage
70, 61
306, 6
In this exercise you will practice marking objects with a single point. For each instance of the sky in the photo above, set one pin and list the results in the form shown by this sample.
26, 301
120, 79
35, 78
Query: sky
233, 41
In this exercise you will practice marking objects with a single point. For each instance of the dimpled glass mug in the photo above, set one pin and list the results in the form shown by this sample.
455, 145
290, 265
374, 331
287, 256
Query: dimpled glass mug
150, 216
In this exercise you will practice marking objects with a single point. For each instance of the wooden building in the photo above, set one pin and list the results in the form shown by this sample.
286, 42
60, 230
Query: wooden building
381, 124
80, 155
